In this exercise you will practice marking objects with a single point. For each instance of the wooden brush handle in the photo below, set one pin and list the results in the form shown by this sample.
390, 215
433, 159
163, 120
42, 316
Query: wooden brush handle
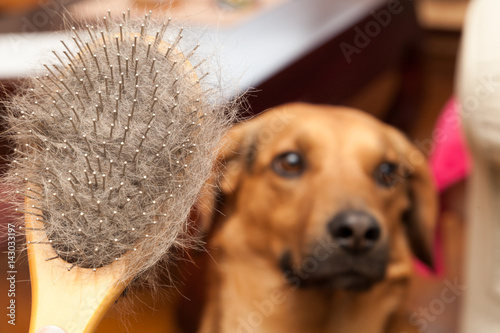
75, 300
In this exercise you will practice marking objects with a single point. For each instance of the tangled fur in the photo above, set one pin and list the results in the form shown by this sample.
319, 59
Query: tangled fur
114, 142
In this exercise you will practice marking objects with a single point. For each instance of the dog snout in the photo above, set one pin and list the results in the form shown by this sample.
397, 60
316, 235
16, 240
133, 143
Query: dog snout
355, 231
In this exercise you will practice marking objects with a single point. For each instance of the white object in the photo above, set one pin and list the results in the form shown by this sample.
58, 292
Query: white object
478, 89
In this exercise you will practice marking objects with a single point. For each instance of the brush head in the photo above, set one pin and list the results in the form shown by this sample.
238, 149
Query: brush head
114, 142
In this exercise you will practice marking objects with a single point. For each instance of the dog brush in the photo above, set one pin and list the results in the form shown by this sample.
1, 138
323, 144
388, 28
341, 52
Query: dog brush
113, 144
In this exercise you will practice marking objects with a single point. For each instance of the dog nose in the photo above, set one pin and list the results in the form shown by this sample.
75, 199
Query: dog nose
355, 231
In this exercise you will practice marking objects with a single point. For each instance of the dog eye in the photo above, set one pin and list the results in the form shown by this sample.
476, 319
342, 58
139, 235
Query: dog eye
386, 174
289, 164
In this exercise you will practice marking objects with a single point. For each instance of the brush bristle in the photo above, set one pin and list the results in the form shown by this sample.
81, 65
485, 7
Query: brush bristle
114, 142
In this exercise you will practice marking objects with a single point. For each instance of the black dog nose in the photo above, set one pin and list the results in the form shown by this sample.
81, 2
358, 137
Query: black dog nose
355, 231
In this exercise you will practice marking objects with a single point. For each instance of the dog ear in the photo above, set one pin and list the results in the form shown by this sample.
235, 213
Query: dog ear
420, 218
228, 169
231, 159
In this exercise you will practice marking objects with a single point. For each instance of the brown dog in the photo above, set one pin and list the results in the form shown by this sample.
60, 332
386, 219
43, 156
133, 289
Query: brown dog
319, 210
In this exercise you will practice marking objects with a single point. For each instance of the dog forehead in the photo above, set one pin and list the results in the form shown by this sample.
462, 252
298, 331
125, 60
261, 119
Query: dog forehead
309, 124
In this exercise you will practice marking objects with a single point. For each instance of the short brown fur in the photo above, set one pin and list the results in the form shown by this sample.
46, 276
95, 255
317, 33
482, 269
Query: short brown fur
264, 215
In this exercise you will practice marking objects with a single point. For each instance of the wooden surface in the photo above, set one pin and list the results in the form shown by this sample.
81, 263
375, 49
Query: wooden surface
442, 14
326, 75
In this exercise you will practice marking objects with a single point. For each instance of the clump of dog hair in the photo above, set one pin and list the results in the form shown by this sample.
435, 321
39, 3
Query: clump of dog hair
113, 143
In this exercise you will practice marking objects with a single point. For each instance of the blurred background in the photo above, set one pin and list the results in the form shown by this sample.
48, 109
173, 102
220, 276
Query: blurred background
394, 59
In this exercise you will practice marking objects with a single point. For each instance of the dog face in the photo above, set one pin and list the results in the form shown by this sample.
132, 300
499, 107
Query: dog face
329, 195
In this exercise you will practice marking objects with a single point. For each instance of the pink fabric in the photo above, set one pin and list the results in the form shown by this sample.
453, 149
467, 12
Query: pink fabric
449, 158
449, 161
